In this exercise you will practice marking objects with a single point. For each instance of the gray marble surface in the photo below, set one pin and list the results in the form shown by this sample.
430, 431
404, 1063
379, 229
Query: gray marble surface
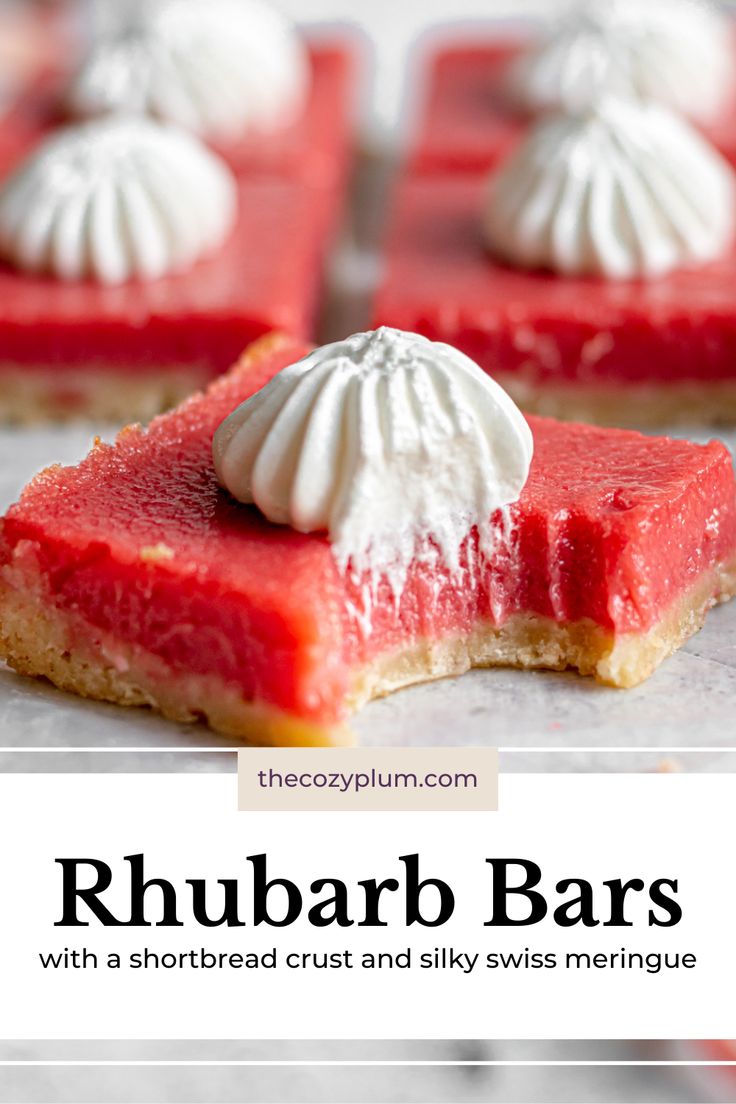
354, 1080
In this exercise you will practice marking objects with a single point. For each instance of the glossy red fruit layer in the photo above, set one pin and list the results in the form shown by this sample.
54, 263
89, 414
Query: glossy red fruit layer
468, 123
442, 281
611, 526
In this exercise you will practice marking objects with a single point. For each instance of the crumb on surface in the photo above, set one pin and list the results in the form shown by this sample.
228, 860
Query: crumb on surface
156, 553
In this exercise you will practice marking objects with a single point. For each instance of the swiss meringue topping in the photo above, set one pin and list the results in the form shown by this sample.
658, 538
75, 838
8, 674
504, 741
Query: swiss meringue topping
677, 52
386, 441
622, 190
216, 67
116, 199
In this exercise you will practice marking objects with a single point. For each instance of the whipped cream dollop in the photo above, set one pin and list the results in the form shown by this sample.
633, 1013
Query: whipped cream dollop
677, 52
622, 190
116, 199
386, 441
216, 67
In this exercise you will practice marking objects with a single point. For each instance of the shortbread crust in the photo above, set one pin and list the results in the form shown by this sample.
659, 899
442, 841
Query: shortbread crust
40, 641
627, 405
36, 394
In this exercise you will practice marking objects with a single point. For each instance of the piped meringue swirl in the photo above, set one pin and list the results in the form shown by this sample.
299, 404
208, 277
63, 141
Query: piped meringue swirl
219, 68
677, 52
622, 190
116, 199
385, 441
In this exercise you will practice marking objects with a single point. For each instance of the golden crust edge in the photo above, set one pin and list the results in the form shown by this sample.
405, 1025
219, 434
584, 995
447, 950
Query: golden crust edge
38, 641
627, 405
38, 395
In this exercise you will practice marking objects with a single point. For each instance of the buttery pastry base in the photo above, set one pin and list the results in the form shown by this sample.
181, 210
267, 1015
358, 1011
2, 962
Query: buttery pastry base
38, 640
38, 394
628, 405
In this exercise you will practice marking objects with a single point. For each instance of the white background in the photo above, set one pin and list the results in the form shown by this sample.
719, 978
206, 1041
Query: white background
593, 826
